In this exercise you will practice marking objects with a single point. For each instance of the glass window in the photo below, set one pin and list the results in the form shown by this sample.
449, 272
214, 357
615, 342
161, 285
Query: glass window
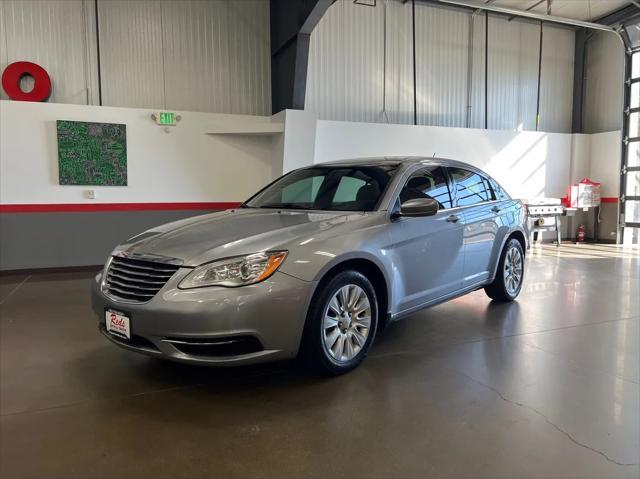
499, 193
302, 191
470, 187
633, 30
348, 189
334, 188
633, 153
635, 65
489, 189
632, 211
633, 183
631, 235
428, 183
634, 125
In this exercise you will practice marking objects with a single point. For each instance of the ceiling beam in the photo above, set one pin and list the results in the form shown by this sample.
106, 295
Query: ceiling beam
625, 15
529, 8
291, 27
528, 14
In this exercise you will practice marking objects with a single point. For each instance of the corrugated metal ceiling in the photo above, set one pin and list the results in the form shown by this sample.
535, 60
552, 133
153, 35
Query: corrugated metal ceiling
585, 10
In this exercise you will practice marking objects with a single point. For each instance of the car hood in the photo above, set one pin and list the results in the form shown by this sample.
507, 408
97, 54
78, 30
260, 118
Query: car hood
234, 232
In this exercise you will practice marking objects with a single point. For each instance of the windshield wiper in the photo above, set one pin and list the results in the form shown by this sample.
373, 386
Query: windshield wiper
286, 206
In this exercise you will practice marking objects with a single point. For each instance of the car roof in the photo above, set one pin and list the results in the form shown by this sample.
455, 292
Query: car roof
396, 161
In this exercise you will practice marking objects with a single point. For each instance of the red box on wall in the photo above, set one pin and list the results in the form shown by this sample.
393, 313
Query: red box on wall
584, 194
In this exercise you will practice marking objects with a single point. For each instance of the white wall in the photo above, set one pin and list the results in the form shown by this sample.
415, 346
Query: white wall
605, 161
184, 165
198, 55
299, 140
527, 164
350, 79
580, 157
189, 165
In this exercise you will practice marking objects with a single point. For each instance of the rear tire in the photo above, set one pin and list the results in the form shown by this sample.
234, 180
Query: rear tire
510, 273
341, 324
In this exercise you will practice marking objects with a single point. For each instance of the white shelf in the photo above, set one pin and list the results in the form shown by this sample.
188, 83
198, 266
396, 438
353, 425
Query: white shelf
258, 128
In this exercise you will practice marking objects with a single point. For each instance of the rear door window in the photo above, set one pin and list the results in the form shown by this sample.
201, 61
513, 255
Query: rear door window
471, 188
498, 192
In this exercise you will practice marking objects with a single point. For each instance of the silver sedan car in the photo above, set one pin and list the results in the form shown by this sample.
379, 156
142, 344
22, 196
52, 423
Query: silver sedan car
314, 265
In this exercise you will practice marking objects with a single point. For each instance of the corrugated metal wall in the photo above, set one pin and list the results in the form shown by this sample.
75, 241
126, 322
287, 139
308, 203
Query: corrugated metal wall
475, 72
556, 83
220, 50
513, 74
604, 72
398, 89
347, 86
131, 53
347, 48
200, 55
52, 34
442, 53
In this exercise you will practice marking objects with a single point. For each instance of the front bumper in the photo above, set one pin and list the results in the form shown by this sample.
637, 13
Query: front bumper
273, 312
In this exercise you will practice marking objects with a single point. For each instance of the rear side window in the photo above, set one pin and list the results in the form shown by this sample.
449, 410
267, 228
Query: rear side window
471, 188
489, 189
428, 183
499, 193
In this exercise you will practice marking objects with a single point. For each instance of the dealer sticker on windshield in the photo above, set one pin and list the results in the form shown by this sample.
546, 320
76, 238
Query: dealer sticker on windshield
118, 324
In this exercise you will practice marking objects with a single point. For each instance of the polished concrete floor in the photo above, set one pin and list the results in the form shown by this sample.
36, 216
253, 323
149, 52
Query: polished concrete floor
547, 386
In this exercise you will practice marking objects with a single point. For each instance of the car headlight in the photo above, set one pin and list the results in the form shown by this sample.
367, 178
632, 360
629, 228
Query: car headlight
232, 272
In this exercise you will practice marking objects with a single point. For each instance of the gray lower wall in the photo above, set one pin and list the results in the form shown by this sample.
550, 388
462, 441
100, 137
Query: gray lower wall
57, 240
607, 228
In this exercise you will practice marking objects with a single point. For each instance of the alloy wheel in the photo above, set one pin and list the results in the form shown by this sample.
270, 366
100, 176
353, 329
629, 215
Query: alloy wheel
513, 270
347, 321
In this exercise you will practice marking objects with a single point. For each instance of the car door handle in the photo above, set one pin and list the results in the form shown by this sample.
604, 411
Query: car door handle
453, 219
495, 209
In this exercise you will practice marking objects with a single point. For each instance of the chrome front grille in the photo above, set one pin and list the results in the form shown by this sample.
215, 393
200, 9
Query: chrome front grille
135, 279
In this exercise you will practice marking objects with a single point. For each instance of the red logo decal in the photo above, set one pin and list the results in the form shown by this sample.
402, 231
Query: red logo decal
14, 73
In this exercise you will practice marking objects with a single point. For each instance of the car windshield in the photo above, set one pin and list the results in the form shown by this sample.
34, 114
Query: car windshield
339, 188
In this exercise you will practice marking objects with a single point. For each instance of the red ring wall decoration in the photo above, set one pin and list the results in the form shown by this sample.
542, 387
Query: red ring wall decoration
13, 74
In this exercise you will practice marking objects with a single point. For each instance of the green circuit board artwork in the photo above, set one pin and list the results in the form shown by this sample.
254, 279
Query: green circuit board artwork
92, 153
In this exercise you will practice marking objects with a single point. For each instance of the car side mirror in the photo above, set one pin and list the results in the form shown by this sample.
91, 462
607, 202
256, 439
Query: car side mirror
419, 207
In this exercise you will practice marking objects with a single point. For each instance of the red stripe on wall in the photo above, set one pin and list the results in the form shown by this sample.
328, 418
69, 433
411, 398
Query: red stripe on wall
88, 207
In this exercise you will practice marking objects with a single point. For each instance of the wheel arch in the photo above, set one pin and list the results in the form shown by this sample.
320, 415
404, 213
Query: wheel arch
519, 235
514, 234
369, 268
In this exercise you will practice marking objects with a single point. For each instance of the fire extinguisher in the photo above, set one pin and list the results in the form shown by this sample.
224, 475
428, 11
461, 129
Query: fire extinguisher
580, 234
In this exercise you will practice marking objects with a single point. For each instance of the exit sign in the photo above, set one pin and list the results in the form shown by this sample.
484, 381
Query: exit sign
166, 118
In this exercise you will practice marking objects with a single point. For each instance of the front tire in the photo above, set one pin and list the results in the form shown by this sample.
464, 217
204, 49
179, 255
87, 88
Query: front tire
341, 324
508, 281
